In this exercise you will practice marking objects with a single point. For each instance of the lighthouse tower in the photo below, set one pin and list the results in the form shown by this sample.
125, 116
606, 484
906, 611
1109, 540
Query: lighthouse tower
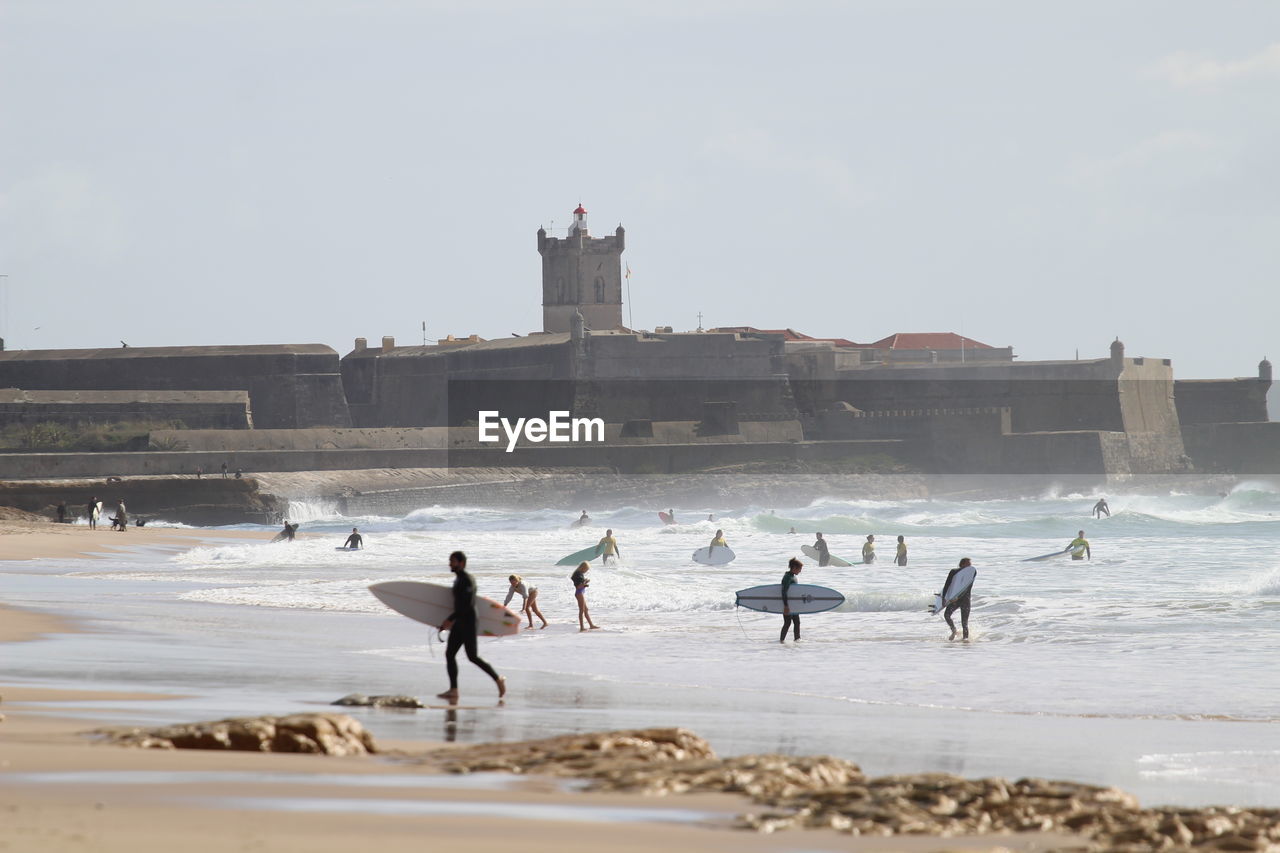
581, 274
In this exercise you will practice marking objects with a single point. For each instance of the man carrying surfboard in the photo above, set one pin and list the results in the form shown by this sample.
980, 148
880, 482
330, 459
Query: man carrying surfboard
608, 547
461, 626
788, 618
1079, 547
957, 599
824, 553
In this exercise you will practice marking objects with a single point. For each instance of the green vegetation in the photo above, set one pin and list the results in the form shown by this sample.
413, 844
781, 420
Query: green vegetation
85, 437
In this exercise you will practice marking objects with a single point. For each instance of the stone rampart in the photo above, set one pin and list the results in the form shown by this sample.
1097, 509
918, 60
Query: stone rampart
220, 410
1218, 401
1246, 449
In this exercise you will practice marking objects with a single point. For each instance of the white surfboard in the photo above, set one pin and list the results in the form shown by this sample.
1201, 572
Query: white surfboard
431, 604
812, 553
722, 555
1047, 556
801, 598
960, 584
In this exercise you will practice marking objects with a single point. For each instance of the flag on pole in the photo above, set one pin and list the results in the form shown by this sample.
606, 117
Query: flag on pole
628, 270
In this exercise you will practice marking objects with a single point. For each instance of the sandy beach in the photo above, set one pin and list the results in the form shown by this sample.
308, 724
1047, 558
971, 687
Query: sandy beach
65, 792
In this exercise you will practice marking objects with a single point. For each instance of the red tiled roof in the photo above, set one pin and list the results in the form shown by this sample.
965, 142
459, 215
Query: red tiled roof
928, 340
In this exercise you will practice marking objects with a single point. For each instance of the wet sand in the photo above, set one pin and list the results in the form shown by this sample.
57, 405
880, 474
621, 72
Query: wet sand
27, 540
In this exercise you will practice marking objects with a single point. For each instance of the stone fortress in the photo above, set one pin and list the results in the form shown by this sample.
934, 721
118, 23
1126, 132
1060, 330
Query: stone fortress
672, 402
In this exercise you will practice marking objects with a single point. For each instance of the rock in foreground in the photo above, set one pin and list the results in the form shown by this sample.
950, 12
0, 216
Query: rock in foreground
321, 734
359, 700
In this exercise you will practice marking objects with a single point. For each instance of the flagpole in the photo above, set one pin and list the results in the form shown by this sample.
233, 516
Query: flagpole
631, 317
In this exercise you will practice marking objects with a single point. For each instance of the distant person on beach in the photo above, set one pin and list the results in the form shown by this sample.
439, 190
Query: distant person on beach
528, 598
224, 470
580, 582
355, 541
238, 473
790, 619
869, 550
122, 517
961, 603
718, 542
1079, 547
901, 557
62, 512
95, 510
1100, 508
824, 553
199, 472
608, 547
462, 626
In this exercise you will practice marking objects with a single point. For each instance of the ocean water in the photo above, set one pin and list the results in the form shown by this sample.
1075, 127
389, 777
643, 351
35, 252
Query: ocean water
1153, 665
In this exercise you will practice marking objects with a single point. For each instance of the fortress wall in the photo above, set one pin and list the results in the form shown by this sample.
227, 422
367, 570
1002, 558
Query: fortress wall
288, 386
1213, 401
1080, 452
215, 440
1234, 448
222, 410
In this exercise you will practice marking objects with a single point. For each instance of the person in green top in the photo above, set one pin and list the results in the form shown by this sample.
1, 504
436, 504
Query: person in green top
788, 618
1079, 547
608, 547
869, 550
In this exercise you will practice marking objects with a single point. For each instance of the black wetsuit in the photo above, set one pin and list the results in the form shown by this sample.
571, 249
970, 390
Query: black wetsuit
824, 553
355, 540
462, 634
961, 603
788, 619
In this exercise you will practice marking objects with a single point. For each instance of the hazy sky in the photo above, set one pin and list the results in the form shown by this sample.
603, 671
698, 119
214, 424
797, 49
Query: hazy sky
1046, 176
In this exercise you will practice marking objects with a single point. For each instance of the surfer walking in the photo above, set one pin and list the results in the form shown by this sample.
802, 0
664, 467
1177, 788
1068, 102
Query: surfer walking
718, 542
580, 583
789, 619
961, 602
824, 553
900, 559
95, 509
608, 547
529, 597
869, 549
1101, 508
1079, 547
355, 541
462, 628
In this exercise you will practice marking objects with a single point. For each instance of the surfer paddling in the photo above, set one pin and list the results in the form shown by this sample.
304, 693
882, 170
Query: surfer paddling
608, 547
960, 601
1079, 547
790, 619
580, 583
462, 627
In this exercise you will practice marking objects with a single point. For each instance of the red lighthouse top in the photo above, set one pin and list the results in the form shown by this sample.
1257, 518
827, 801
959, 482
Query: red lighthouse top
580, 211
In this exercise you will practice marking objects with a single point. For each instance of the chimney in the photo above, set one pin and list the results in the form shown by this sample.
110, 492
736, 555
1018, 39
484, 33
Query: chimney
362, 344
388, 343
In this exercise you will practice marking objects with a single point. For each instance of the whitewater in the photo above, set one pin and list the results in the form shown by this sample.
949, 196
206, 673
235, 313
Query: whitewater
1151, 665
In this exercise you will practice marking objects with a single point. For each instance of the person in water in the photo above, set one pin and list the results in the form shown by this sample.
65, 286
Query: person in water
901, 557
789, 619
671, 516
1079, 547
961, 603
462, 626
869, 550
580, 582
355, 541
718, 542
608, 547
792, 530
1100, 508
528, 598
583, 520
824, 554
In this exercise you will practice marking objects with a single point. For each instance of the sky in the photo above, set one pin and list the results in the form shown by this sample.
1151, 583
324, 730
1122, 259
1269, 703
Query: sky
1035, 175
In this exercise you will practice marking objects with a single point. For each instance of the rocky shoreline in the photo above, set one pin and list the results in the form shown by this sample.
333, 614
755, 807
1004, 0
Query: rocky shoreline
816, 792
